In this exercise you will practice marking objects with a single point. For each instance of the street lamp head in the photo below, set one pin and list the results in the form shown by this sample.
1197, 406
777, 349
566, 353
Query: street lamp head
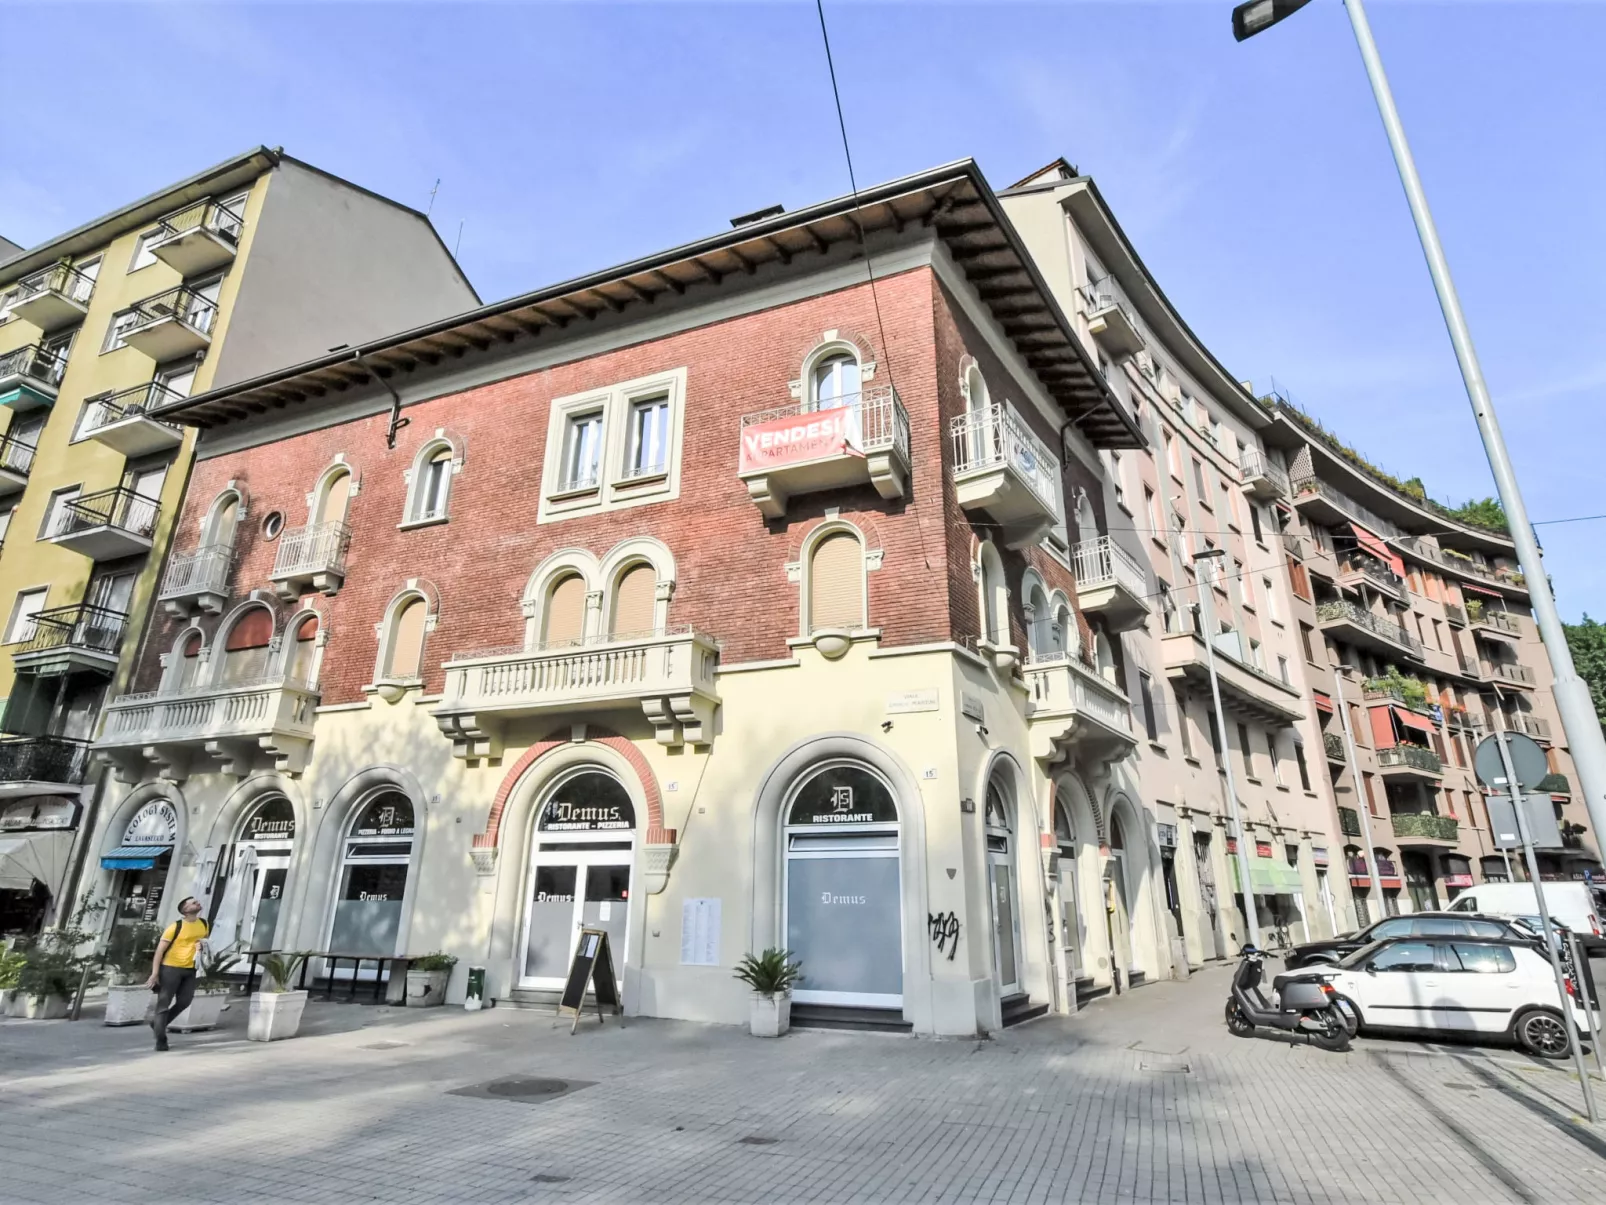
1256, 15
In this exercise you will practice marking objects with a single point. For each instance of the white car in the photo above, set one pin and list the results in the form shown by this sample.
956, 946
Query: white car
1459, 985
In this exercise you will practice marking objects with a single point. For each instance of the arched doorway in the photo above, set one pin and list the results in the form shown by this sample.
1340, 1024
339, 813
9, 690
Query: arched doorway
1072, 939
1118, 905
1001, 882
581, 853
253, 873
843, 911
375, 857
140, 864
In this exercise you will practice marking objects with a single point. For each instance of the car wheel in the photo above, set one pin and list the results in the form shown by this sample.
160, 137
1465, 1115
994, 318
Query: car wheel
1542, 1031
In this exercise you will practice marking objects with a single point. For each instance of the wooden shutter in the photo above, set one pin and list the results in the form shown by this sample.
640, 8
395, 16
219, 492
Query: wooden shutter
566, 611
407, 640
633, 600
836, 583
334, 500
254, 630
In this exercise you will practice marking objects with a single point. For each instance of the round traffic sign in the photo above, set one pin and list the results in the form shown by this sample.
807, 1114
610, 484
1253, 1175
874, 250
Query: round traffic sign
1527, 760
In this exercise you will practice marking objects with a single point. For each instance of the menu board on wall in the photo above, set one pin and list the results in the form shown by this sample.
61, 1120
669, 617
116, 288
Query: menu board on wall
699, 933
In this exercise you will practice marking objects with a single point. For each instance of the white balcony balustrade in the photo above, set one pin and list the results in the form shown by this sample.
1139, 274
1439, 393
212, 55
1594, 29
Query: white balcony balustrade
1003, 470
802, 449
197, 581
235, 724
1110, 582
1073, 710
311, 558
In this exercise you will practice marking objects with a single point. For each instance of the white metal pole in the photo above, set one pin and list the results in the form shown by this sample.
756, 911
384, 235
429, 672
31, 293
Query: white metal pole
1208, 622
1363, 806
1552, 946
1584, 737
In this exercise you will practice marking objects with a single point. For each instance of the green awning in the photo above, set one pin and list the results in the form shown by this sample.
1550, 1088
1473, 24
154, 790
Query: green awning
1271, 876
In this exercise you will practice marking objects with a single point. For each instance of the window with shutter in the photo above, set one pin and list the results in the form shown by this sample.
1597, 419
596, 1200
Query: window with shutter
245, 651
302, 650
566, 611
189, 669
335, 496
633, 601
407, 639
836, 583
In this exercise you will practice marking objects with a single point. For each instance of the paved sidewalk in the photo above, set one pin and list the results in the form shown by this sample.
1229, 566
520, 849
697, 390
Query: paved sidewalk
1137, 1100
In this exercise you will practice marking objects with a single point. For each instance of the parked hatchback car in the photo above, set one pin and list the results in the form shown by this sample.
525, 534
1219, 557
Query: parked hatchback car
1467, 985
1417, 924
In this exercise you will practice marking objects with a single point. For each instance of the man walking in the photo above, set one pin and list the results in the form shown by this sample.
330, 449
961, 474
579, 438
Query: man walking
173, 966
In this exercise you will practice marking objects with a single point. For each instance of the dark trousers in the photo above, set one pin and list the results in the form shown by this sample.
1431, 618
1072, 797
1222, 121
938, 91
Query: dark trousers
175, 987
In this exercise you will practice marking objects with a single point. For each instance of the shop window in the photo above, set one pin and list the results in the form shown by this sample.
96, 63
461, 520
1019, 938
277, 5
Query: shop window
373, 879
836, 583
247, 647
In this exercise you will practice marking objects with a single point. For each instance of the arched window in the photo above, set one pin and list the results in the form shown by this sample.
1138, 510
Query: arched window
247, 647
404, 646
1001, 879
373, 881
300, 663
1070, 635
994, 597
634, 598
1043, 635
836, 583
187, 673
565, 614
334, 493
431, 483
221, 522
1087, 522
976, 386
835, 381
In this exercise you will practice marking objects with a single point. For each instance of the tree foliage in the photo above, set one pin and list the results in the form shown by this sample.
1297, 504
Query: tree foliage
1587, 640
1483, 512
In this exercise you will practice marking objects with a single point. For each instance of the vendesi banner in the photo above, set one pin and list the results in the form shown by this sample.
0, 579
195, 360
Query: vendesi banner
797, 438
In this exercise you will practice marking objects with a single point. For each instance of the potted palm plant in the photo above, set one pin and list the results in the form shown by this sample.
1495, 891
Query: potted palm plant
771, 976
427, 978
211, 990
128, 960
276, 1009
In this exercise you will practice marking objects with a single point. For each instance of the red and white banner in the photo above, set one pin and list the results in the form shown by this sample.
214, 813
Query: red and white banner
800, 437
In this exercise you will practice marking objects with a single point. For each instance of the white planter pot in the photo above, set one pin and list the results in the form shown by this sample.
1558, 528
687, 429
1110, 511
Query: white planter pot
5, 1000
275, 1015
40, 1008
770, 1016
128, 1003
425, 989
203, 1012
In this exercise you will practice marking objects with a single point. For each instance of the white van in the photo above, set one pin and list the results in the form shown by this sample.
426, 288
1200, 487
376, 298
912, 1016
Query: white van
1579, 906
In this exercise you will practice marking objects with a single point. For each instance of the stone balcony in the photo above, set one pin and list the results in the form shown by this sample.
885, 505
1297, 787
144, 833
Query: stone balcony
1071, 708
1260, 478
1356, 625
1243, 687
53, 299
1409, 761
1110, 582
799, 449
198, 239
668, 674
1113, 326
1004, 471
197, 581
232, 723
311, 558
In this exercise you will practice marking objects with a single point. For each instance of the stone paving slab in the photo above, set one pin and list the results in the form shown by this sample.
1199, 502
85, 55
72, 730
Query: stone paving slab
1142, 1099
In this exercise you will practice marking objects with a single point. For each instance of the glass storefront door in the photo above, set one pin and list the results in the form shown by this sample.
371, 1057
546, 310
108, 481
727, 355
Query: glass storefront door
373, 881
1001, 878
843, 901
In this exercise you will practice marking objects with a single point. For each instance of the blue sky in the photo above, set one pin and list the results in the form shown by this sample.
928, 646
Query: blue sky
1254, 179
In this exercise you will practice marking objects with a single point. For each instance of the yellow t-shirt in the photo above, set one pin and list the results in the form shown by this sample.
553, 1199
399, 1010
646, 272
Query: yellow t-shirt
184, 936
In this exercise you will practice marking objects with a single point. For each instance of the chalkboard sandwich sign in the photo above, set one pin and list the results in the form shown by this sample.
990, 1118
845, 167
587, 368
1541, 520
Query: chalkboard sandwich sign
593, 964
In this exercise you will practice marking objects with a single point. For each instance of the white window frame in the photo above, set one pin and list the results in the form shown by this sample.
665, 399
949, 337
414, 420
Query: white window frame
20, 627
632, 470
616, 487
807, 629
388, 633
142, 257
417, 512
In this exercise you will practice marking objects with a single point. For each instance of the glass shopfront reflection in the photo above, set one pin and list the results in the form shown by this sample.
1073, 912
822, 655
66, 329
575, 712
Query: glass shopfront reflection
373, 881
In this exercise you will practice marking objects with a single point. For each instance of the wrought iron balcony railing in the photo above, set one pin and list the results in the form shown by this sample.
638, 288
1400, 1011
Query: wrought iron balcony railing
993, 437
1334, 744
79, 626
208, 215
16, 455
34, 363
1424, 824
52, 759
63, 279
183, 303
121, 508
1409, 757
1343, 609
104, 409
1254, 464
1349, 824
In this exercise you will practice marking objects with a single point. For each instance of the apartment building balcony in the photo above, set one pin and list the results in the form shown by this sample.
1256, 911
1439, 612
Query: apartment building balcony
1424, 829
1460, 563
1388, 873
41, 765
198, 239
1244, 688
1500, 625
30, 377
55, 298
1349, 822
1358, 570
122, 420
799, 449
71, 639
1455, 615
175, 323
1110, 582
107, 525
16, 462
1333, 745
1510, 673
1072, 708
1554, 784
1112, 325
1409, 762
197, 581
1261, 479
668, 673
231, 723
1003, 470
311, 558
1471, 667
1356, 625
1531, 725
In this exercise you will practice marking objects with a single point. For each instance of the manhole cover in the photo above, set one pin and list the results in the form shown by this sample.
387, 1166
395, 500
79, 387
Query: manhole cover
544, 1178
755, 1140
530, 1088
385, 1045
1165, 1068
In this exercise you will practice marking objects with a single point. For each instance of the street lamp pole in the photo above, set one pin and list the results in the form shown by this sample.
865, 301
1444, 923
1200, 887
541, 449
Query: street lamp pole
1207, 620
1363, 806
1584, 737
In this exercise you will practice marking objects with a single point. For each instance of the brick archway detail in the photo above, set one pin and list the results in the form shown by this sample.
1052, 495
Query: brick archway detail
656, 833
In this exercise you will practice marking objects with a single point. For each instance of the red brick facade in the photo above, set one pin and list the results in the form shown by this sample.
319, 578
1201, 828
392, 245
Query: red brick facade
731, 563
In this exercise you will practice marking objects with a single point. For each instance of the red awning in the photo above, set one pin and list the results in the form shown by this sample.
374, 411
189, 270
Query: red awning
1466, 589
1411, 720
1378, 548
1323, 702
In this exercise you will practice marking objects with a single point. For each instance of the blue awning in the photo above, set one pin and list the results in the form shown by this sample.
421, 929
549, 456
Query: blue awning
134, 857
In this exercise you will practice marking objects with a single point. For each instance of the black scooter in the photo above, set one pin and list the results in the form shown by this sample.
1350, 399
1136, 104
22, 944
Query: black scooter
1304, 1003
